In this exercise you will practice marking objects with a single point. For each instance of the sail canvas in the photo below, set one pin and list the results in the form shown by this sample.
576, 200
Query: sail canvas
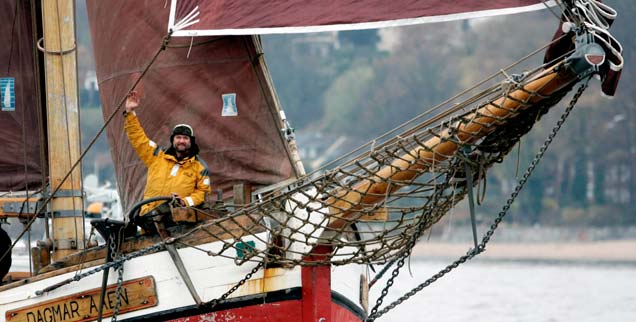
20, 159
244, 17
217, 85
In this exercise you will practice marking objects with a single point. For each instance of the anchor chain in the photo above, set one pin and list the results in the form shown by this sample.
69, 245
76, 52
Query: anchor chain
482, 246
396, 271
216, 301
120, 281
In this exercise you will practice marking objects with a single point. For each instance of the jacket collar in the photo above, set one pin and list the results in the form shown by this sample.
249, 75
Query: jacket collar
173, 158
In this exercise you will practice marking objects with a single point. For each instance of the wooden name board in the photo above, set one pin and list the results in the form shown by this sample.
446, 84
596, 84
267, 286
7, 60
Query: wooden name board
135, 295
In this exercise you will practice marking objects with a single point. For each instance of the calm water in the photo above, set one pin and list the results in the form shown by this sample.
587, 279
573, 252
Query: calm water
515, 292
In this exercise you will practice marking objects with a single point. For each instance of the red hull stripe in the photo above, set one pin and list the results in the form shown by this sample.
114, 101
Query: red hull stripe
285, 305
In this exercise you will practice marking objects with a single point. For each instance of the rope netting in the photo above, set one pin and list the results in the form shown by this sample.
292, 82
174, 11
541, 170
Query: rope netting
372, 206
368, 208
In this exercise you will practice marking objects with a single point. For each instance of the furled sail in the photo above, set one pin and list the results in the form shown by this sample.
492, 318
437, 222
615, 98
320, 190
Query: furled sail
20, 159
244, 17
218, 85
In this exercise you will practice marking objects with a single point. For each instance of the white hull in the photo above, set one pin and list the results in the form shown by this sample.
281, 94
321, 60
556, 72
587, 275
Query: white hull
212, 276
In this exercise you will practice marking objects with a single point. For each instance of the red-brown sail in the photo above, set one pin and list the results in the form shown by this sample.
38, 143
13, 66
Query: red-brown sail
20, 162
186, 85
241, 17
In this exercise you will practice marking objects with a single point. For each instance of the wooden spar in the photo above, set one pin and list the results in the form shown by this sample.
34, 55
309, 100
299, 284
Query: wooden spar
342, 207
16, 207
63, 125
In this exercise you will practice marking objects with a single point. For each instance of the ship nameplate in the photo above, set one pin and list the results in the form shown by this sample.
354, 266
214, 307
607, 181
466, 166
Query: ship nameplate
84, 306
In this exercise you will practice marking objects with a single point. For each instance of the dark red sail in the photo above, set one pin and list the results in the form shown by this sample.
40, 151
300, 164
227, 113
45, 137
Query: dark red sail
20, 162
187, 84
241, 17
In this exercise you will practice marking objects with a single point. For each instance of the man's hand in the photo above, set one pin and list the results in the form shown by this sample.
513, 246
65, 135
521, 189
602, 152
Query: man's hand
132, 102
177, 200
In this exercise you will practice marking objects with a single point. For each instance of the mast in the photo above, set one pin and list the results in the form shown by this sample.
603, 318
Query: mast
63, 125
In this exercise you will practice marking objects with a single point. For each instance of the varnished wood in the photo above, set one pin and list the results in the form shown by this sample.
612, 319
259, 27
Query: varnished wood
85, 264
136, 294
222, 230
242, 197
438, 149
381, 214
63, 121
242, 194
19, 213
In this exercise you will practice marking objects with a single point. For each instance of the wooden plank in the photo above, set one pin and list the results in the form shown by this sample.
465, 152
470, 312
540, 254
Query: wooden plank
242, 198
381, 214
242, 194
225, 229
18, 211
136, 294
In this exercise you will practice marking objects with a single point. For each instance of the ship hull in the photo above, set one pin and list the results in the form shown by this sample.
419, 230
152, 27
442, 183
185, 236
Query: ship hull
153, 289
283, 305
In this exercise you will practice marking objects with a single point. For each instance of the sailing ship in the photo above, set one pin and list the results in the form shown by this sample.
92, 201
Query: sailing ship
274, 243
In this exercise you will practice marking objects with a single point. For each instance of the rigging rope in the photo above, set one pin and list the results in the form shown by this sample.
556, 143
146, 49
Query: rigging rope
428, 112
325, 209
486, 238
302, 213
44, 203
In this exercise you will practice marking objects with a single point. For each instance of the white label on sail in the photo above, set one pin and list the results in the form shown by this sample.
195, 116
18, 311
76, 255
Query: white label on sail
7, 93
229, 105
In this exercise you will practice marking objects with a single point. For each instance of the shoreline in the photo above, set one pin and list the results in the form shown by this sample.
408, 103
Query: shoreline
608, 251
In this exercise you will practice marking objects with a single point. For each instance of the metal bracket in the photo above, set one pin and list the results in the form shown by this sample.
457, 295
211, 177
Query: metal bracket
587, 57
67, 213
66, 244
67, 193
471, 198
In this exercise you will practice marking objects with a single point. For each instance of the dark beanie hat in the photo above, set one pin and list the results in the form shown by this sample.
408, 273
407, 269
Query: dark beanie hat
184, 129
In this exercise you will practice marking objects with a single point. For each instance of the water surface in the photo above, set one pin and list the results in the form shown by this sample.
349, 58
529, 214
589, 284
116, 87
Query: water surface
515, 292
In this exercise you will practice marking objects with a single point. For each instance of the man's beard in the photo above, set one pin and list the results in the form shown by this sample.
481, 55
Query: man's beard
181, 148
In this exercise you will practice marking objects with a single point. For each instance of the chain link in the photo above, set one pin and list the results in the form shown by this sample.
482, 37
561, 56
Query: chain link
396, 271
482, 246
120, 277
216, 301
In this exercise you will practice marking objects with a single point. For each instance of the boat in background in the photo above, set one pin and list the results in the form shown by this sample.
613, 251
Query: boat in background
273, 244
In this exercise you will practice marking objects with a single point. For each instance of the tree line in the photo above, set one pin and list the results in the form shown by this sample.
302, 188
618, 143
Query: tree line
350, 85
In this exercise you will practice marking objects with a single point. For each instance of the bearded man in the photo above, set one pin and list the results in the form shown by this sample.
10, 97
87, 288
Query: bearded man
176, 171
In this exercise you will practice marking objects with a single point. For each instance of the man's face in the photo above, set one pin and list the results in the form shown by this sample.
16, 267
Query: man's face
181, 143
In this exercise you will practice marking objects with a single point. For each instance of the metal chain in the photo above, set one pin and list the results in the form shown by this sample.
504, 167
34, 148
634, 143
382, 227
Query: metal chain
114, 263
120, 280
383, 271
120, 283
482, 246
216, 301
405, 253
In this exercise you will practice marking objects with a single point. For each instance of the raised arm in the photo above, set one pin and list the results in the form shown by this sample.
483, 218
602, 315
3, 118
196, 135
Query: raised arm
144, 147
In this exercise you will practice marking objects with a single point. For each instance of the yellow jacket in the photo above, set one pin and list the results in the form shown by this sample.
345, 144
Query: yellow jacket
189, 178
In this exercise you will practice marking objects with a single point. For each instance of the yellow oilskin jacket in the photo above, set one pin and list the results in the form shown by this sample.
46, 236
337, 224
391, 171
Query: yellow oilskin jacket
189, 178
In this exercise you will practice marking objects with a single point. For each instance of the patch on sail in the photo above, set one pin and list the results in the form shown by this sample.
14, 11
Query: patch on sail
7, 94
84, 306
229, 105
